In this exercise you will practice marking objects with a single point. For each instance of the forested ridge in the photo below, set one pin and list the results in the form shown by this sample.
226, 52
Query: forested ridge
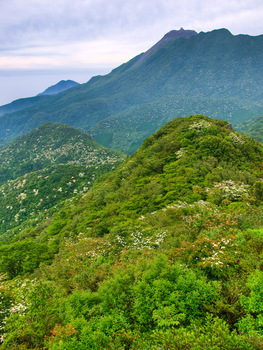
164, 252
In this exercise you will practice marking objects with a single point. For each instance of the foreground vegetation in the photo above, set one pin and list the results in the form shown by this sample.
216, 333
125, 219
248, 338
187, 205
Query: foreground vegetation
164, 253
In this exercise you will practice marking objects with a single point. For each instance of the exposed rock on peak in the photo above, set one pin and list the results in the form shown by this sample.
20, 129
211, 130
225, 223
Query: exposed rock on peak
172, 35
177, 34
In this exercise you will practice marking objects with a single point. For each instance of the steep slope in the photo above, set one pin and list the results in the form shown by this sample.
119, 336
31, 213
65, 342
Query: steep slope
178, 224
214, 69
61, 86
51, 144
172, 35
253, 128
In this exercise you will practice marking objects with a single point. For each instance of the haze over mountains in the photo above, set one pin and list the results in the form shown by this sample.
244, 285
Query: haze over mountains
214, 73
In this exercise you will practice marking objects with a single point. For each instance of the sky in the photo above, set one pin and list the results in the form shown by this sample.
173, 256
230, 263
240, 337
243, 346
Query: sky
45, 41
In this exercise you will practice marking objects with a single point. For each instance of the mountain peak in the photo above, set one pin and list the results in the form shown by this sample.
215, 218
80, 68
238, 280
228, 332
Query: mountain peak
178, 34
172, 35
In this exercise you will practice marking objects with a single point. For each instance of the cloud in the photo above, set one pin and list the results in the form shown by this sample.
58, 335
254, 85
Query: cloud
91, 54
35, 33
38, 20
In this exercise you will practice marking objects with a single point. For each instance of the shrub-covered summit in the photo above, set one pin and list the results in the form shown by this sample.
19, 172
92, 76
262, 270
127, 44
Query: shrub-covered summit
51, 144
189, 159
43, 168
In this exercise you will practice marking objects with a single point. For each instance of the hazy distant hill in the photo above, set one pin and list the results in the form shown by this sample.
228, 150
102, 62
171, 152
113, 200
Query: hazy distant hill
23, 103
37, 100
63, 85
214, 73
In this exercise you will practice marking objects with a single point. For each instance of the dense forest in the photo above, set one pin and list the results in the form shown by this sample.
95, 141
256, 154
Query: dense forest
163, 252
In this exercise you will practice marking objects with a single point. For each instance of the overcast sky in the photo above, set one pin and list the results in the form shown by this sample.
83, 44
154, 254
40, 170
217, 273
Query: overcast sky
44, 41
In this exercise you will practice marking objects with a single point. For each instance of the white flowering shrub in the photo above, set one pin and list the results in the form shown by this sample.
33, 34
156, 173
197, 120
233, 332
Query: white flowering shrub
140, 239
236, 138
229, 189
217, 256
180, 153
198, 126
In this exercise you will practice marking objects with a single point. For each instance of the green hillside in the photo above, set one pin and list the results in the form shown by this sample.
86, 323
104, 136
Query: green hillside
43, 168
185, 153
126, 131
33, 197
163, 253
51, 144
205, 72
253, 128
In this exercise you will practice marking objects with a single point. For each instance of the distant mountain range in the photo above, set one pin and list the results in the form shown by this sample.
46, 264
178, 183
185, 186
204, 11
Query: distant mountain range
214, 73
24, 103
